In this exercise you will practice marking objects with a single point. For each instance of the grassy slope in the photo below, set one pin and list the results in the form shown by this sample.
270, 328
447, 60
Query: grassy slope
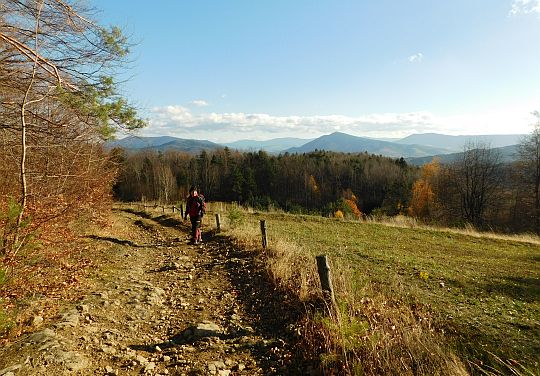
490, 300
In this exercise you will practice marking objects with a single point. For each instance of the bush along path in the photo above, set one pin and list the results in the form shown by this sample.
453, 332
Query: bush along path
160, 306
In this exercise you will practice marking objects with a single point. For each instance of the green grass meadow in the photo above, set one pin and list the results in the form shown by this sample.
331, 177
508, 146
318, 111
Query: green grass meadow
483, 293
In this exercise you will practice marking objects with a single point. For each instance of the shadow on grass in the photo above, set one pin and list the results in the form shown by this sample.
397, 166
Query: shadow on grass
114, 240
168, 221
137, 212
504, 331
164, 220
274, 314
519, 288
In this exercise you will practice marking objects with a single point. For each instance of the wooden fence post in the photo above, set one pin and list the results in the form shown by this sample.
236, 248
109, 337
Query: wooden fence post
181, 210
326, 281
218, 222
263, 233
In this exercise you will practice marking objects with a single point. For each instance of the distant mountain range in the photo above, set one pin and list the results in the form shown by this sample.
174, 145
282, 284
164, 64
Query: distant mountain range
417, 148
343, 142
163, 143
507, 154
272, 146
457, 143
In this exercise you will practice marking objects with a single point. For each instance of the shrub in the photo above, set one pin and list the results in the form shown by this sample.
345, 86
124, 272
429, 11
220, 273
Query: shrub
235, 216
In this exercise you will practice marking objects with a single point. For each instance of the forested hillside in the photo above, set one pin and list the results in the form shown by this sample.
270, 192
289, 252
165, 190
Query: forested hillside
478, 187
318, 181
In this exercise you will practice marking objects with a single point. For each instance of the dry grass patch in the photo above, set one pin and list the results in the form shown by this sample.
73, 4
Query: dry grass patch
286, 262
402, 221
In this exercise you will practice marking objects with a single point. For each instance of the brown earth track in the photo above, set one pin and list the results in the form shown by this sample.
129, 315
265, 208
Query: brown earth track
161, 306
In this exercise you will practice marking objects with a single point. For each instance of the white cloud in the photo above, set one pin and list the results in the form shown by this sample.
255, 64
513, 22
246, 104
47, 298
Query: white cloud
179, 120
221, 127
525, 7
416, 58
199, 103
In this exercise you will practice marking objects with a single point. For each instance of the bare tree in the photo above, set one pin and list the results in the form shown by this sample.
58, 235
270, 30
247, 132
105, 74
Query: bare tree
476, 178
529, 152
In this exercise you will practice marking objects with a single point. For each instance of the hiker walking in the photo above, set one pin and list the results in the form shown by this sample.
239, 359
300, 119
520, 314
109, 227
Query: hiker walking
195, 208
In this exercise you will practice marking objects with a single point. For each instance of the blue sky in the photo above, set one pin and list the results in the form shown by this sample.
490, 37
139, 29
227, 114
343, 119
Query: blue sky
258, 69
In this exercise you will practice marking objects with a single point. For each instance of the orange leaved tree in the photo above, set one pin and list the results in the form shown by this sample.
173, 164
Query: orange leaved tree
423, 202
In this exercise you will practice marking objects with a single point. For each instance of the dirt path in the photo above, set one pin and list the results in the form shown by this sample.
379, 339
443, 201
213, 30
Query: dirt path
163, 307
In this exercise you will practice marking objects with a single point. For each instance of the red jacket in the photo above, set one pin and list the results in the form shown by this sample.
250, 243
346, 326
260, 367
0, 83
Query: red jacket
195, 206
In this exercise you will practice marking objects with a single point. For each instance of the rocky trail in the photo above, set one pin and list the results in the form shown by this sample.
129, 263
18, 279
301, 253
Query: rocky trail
160, 306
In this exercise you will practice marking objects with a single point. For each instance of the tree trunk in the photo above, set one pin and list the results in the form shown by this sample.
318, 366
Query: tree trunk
537, 202
22, 166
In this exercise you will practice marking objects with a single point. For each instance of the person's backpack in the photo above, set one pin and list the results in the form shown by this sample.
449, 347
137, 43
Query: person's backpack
201, 204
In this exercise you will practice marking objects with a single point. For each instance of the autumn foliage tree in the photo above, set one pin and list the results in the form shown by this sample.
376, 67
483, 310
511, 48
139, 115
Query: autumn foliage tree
351, 201
58, 100
423, 203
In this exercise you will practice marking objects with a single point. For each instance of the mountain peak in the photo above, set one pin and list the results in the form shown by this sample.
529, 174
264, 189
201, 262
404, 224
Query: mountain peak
343, 142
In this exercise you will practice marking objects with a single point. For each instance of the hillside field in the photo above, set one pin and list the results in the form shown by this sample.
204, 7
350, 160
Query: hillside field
483, 293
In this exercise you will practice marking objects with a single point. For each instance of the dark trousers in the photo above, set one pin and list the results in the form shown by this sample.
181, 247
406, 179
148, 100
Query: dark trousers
196, 222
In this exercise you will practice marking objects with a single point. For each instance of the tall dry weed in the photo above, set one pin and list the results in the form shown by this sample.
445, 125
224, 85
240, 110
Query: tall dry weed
292, 267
